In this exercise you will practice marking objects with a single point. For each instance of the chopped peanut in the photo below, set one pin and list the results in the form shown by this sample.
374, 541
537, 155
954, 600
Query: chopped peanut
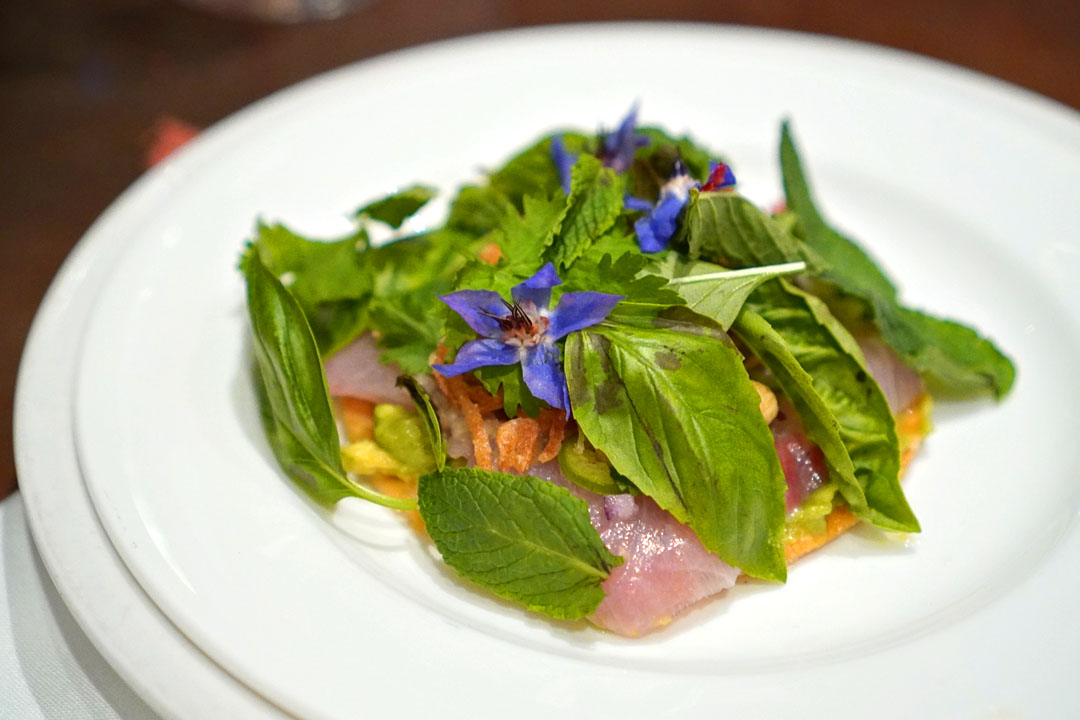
768, 405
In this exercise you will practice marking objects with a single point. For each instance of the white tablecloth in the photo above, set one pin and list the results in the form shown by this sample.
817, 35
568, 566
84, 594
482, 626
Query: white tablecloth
49, 670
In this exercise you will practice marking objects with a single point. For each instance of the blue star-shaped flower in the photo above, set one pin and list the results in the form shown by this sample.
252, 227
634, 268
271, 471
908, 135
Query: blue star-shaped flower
616, 149
658, 225
655, 228
525, 331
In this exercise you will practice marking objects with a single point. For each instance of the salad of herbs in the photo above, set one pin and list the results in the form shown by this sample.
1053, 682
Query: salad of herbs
622, 280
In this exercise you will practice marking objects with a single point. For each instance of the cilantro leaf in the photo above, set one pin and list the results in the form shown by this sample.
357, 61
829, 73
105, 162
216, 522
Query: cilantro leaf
522, 538
478, 210
532, 172
395, 209
316, 270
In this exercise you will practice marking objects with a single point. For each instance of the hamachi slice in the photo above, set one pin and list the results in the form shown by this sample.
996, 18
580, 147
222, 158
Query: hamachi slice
901, 385
355, 371
665, 567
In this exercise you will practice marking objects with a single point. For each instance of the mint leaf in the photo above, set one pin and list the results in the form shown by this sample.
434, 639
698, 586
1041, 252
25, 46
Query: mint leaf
294, 401
674, 412
952, 357
596, 201
394, 209
520, 537
819, 366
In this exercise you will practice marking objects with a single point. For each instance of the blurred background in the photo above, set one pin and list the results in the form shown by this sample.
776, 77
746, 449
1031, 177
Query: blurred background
93, 90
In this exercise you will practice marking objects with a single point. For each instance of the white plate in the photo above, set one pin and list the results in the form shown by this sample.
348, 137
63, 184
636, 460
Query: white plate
139, 642
959, 183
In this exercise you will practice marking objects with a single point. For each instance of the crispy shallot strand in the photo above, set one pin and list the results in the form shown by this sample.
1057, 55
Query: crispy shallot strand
517, 443
554, 421
455, 389
484, 400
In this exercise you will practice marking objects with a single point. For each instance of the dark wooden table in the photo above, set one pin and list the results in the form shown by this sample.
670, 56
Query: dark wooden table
83, 81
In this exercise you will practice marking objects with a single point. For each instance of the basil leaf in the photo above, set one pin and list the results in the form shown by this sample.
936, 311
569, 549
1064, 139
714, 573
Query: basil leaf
952, 357
394, 209
726, 228
297, 414
845, 263
676, 414
429, 417
522, 538
595, 203
713, 290
819, 366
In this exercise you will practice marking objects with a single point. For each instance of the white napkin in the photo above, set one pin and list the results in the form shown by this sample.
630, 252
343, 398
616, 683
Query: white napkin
49, 670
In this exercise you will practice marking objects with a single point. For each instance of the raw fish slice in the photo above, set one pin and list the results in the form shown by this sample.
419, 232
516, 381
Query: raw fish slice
901, 385
355, 371
665, 567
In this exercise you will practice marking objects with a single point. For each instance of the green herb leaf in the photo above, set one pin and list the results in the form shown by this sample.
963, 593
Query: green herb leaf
674, 411
515, 392
296, 404
429, 417
714, 291
819, 366
952, 357
395, 209
595, 203
478, 210
653, 163
845, 263
727, 229
318, 270
520, 537
644, 292
533, 172
524, 238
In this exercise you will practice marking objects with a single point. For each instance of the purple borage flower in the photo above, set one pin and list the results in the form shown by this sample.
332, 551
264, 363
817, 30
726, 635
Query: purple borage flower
616, 149
525, 331
658, 225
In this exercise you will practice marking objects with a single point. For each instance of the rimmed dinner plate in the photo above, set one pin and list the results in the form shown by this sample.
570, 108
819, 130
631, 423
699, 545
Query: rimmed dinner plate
166, 670
958, 183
